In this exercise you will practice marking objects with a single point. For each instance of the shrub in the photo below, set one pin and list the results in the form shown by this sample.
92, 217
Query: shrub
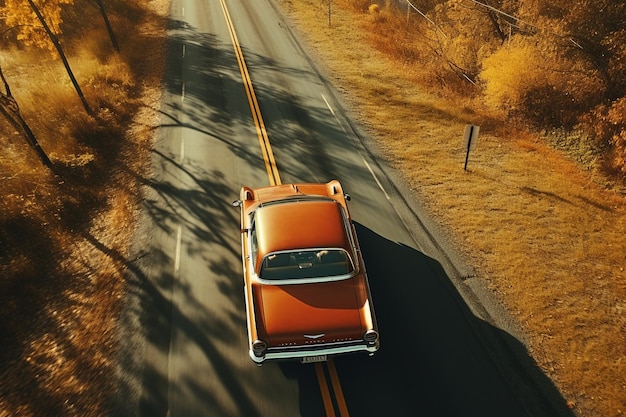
607, 126
533, 81
508, 74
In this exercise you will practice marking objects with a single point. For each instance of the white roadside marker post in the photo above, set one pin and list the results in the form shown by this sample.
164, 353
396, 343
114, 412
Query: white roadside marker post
470, 136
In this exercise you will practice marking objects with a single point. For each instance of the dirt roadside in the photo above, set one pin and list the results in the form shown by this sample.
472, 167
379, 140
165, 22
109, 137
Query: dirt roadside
64, 237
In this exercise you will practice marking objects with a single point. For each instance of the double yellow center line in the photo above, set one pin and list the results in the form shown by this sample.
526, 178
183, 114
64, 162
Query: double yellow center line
340, 401
324, 372
266, 148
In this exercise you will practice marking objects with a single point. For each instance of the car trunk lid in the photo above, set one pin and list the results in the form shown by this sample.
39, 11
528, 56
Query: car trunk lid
310, 314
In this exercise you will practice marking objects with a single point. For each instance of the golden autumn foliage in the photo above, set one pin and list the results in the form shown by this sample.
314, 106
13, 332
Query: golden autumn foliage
538, 84
20, 15
607, 123
550, 64
60, 294
508, 74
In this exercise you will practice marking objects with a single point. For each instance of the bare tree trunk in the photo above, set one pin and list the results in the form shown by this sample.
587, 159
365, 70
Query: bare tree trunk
108, 25
11, 111
57, 44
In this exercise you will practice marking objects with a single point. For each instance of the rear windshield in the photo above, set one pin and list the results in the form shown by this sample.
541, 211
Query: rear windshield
316, 263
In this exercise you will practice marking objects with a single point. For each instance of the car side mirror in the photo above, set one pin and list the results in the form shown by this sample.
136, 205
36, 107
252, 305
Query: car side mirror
236, 203
347, 197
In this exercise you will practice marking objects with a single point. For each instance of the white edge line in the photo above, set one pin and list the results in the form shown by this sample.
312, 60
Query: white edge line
178, 245
364, 161
328, 105
376, 178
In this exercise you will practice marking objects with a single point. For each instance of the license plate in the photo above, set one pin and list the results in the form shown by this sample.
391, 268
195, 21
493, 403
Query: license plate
312, 359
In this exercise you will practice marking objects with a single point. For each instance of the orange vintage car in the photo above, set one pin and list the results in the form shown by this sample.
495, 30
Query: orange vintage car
306, 290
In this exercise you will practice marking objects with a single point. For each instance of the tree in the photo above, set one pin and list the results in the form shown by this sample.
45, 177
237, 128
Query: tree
11, 111
597, 27
29, 26
105, 17
59, 49
20, 15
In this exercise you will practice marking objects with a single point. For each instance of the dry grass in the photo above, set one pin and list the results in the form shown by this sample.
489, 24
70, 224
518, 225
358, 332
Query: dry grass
61, 284
546, 234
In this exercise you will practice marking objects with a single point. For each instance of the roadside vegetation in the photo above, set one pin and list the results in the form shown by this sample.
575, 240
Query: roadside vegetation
541, 210
78, 106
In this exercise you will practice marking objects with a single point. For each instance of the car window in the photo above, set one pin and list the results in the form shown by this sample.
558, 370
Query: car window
317, 263
253, 242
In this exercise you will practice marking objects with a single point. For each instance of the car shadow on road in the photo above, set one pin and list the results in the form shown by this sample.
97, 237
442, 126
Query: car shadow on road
436, 357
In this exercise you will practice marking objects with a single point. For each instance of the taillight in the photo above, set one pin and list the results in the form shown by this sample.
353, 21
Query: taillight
371, 337
259, 347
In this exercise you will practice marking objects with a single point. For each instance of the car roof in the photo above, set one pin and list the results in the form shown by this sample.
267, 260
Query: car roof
300, 224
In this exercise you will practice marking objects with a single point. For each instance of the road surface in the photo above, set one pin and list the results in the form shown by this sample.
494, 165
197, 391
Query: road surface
244, 105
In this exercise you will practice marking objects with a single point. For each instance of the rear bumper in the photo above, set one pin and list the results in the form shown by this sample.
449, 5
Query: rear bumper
296, 353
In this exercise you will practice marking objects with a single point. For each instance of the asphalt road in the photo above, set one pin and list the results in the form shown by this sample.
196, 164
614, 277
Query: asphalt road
183, 343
